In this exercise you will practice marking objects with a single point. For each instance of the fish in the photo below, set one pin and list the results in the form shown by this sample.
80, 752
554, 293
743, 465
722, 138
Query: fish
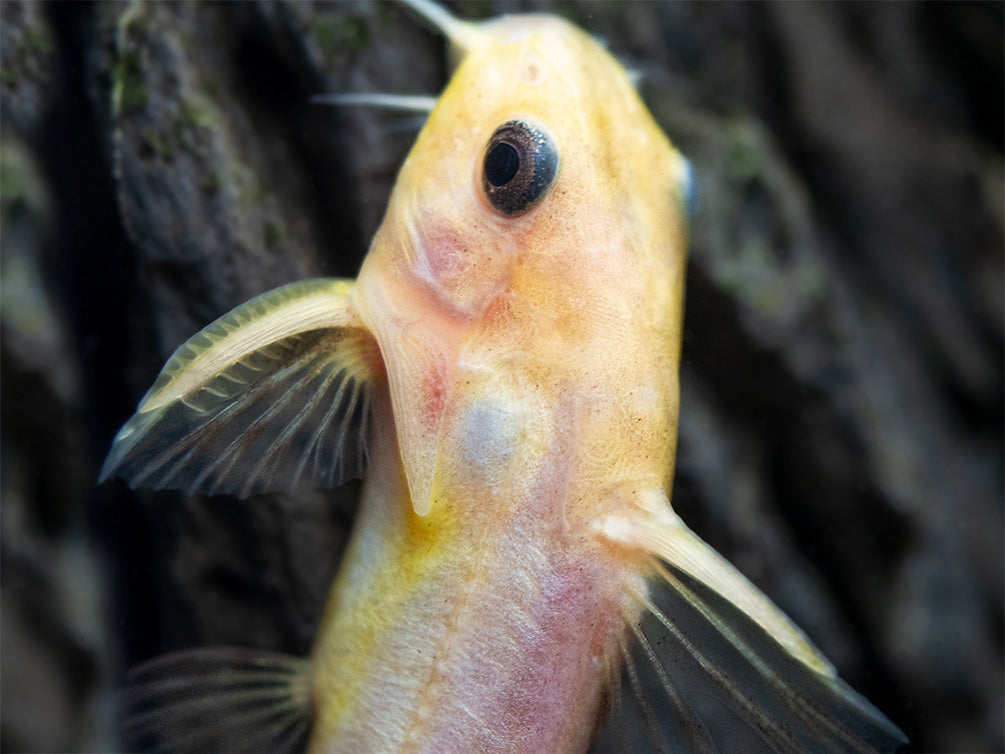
504, 373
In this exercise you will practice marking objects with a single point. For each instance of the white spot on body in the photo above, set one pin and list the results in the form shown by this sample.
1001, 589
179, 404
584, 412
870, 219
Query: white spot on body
489, 432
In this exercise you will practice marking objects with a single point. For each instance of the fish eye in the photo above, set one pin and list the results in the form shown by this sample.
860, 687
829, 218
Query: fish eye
519, 167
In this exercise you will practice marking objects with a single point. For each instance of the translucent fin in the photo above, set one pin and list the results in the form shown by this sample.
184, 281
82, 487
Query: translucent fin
648, 710
219, 700
270, 397
726, 670
656, 529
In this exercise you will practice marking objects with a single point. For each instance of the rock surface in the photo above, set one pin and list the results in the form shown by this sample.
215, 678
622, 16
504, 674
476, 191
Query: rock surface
841, 429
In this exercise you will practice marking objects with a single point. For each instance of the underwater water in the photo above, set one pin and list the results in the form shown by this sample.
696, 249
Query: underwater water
841, 409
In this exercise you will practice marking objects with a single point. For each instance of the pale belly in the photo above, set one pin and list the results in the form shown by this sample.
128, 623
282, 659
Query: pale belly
495, 641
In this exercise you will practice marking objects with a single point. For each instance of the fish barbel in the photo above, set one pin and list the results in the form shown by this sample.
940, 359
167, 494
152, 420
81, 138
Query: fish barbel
504, 370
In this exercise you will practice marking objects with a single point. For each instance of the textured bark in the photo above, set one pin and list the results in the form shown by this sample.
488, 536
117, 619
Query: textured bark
841, 429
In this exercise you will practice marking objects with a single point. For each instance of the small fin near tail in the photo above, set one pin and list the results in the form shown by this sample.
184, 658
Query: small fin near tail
733, 673
219, 699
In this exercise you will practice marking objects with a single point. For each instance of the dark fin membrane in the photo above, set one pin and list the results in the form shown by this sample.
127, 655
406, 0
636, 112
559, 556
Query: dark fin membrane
273, 396
704, 677
218, 700
639, 718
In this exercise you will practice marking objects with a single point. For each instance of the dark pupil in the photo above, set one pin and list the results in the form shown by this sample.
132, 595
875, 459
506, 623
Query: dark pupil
518, 168
501, 164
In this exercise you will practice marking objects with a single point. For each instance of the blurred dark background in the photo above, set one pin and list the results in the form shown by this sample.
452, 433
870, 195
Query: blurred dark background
842, 421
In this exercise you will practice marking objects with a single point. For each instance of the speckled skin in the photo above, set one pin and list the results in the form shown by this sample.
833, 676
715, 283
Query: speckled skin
530, 391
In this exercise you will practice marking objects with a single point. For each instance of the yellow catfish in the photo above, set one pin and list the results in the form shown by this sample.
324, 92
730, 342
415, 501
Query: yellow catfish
505, 372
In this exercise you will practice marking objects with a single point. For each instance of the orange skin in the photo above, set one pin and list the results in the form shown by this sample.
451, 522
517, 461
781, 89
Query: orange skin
531, 391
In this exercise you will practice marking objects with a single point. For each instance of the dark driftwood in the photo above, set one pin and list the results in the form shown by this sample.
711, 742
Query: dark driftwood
841, 433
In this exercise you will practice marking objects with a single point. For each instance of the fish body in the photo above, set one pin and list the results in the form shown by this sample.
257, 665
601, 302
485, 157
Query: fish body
532, 370
509, 353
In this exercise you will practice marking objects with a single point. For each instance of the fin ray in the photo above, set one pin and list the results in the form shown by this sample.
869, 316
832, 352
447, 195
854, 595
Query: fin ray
648, 715
270, 397
689, 723
754, 680
219, 699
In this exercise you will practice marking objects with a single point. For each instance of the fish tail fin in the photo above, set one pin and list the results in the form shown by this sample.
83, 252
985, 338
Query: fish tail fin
732, 671
218, 699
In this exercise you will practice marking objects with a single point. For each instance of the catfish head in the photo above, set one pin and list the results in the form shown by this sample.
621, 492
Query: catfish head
528, 273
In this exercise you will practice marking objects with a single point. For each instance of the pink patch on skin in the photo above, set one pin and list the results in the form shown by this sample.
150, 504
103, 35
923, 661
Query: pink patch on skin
434, 395
565, 678
527, 669
445, 250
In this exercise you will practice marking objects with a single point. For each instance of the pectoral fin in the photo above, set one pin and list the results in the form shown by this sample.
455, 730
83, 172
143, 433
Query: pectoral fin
736, 673
270, 397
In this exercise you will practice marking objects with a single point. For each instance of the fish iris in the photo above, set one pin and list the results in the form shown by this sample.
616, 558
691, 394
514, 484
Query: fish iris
519, 167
